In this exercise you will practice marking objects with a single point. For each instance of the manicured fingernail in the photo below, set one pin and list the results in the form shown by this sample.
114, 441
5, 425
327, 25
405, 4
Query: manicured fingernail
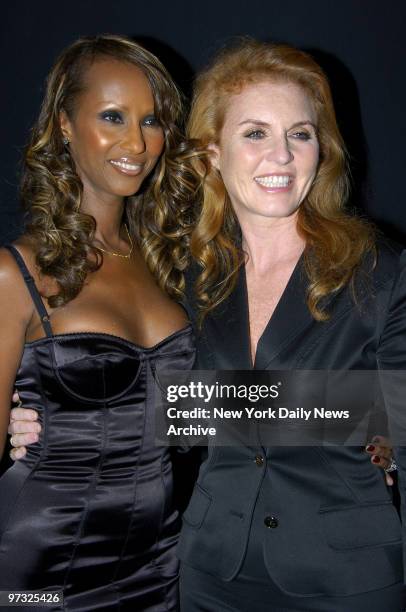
370, 448
375, 459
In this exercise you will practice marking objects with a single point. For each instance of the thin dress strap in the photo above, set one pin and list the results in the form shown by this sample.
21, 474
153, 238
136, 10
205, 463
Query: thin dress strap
29, 281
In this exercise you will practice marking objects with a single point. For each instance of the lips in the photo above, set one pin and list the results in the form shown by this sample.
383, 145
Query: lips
127, 166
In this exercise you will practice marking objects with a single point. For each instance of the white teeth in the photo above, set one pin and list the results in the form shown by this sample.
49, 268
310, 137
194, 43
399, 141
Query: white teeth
125, 165
273, 181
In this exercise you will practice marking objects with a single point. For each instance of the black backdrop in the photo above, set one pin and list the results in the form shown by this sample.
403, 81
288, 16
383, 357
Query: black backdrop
360, 43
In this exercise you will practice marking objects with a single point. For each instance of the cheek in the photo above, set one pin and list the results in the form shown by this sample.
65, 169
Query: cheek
309, 163
89, 144
156, 144
316, 158
236, 160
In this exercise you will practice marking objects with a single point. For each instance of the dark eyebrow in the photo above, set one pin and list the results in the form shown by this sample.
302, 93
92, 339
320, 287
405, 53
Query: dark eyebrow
116, 106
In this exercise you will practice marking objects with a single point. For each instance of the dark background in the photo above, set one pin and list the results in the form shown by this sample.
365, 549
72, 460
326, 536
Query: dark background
360, 43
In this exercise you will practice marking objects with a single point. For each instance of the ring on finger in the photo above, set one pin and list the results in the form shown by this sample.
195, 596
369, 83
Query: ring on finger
392, 467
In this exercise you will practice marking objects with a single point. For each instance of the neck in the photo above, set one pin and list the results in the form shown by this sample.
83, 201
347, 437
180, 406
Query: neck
108, 217
269, 242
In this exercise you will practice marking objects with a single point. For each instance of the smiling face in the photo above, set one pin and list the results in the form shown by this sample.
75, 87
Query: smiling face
268, 150
114, 137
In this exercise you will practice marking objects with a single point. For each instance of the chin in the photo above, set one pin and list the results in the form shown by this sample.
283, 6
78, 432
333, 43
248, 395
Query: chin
277, 212
127, 192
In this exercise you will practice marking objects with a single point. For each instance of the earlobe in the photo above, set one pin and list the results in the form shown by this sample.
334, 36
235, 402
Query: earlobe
214, 154
65, 127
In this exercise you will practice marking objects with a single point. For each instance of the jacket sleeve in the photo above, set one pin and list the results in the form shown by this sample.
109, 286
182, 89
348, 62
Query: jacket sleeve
392, 374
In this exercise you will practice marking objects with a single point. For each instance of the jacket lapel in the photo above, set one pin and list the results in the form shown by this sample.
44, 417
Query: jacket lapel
291, 316
225, 342
226, 332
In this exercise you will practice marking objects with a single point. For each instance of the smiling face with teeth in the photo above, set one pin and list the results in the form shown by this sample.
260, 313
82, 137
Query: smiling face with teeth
114, 137
268, 150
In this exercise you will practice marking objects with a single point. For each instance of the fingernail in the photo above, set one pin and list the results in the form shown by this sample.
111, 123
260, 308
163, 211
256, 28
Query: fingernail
375, 459
370, 448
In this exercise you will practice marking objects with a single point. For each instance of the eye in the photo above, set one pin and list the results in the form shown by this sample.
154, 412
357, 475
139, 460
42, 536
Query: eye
255, 134
301, 135
112, 116
151, 121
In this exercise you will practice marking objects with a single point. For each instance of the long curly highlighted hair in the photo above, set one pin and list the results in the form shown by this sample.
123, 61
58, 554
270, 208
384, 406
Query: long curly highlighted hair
159, 217
336, 241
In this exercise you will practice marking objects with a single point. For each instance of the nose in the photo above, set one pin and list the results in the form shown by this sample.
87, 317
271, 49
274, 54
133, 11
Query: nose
134, 141
279, 150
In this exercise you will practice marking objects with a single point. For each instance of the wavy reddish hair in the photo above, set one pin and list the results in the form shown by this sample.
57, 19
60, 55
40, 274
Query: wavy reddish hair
336, 240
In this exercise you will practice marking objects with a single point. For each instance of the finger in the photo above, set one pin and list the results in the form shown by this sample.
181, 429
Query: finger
380, 462
389, 480
20, 427
23, 439
15, 398
380, 451
382, 441
17, 453
24, 414
385, 453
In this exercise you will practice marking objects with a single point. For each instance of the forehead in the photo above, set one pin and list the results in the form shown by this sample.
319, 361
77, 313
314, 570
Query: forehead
270, 101
116, 81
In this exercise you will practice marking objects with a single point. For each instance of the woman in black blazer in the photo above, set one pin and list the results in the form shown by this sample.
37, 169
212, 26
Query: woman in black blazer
287, 280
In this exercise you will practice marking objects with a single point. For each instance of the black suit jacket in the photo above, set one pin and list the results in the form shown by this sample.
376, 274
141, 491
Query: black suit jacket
336, 530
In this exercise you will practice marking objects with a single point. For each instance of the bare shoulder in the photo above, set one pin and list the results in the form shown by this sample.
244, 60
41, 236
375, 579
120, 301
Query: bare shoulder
13, 290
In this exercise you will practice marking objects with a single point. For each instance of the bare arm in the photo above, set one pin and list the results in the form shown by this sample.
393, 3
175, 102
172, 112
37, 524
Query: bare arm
15, 314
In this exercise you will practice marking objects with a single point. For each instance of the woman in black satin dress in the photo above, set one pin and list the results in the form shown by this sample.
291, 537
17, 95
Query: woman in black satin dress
89, 510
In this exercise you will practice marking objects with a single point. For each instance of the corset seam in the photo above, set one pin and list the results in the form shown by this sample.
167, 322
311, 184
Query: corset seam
114, 579
151, 377
90, 490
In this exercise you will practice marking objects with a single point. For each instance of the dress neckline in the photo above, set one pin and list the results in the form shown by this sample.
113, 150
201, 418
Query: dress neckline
119, 339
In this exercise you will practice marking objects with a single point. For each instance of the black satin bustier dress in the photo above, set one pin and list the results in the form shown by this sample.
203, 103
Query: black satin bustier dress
89, 510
